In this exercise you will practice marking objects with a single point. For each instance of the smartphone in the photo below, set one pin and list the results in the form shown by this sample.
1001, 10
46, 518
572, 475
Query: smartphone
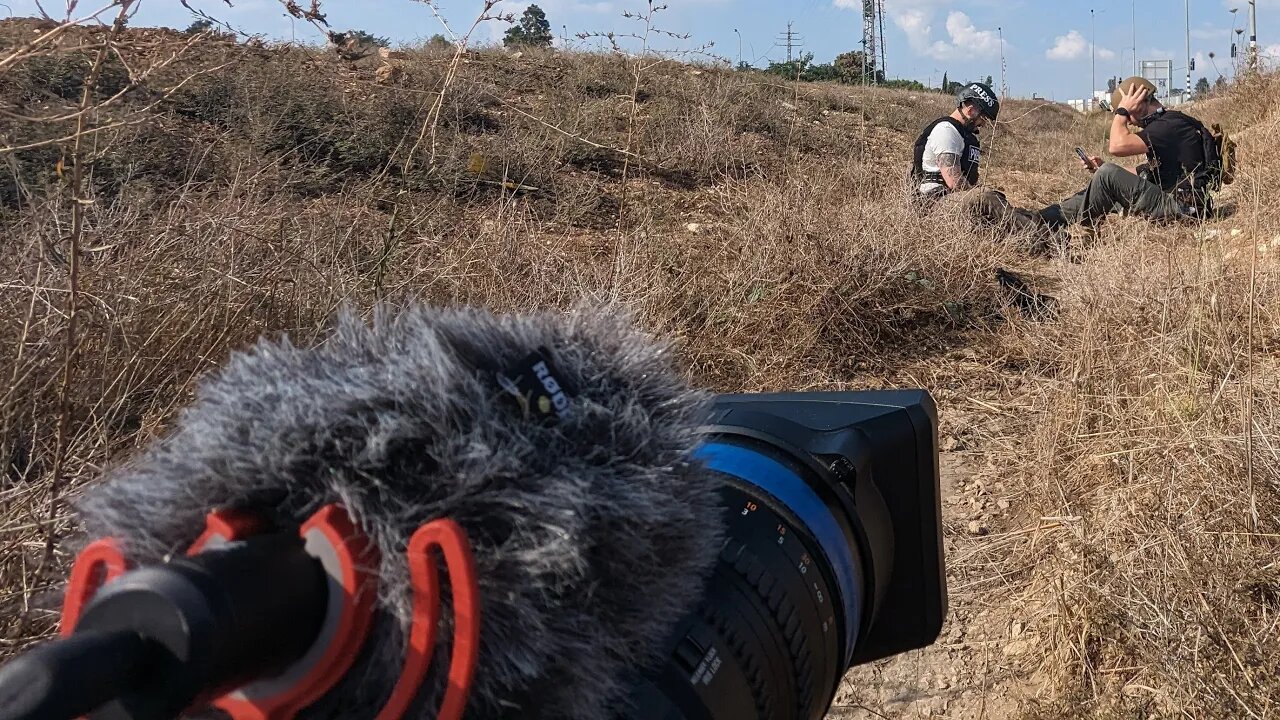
1085, 157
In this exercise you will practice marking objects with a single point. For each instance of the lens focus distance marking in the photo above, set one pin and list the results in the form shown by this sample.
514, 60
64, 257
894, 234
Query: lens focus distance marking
772, 553
792, 493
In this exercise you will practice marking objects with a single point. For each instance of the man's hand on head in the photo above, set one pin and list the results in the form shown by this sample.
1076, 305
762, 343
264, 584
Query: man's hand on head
1123, 141
1134, 98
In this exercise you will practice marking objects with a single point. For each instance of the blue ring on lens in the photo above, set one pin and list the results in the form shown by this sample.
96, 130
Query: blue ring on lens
788, 488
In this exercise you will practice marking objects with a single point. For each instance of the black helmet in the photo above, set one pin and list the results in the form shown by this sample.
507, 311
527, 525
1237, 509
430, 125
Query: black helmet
982, 97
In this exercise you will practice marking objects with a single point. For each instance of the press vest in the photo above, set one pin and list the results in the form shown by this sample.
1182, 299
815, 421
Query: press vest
970, 159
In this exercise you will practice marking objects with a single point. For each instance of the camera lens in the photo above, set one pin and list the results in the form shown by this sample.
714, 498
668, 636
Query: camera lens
832, 555
780, 619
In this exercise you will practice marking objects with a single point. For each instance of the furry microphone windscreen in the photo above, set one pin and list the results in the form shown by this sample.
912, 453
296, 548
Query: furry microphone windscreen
592, 535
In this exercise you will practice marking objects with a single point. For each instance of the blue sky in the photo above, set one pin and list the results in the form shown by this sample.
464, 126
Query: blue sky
1047, 45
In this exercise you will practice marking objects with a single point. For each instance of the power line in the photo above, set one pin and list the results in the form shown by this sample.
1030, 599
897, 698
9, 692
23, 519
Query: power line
792, 41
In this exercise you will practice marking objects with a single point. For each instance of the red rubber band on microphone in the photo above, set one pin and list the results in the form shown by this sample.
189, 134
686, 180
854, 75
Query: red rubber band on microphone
451, 540
96, 565
102, 561
226, 526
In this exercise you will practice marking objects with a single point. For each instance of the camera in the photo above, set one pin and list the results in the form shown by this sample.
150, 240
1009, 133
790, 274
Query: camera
832, 558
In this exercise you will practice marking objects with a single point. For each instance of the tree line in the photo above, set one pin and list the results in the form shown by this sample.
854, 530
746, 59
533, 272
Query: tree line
850, 68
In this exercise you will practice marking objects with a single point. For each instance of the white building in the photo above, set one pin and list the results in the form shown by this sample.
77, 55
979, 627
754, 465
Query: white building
1101, 99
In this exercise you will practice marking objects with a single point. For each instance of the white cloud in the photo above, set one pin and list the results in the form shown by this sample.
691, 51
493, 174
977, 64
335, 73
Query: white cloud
916, 20
1073, 46
1214, 34
915, 23
964, 39
968, 40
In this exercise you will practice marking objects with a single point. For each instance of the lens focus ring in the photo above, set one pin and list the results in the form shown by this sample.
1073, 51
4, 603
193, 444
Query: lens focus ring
769, 639
782, 611
747, 659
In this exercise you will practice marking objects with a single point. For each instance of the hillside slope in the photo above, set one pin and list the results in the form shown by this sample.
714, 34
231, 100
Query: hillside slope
1111, 480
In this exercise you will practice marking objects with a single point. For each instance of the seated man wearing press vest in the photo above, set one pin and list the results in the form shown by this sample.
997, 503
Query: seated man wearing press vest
947, 156
1173, 184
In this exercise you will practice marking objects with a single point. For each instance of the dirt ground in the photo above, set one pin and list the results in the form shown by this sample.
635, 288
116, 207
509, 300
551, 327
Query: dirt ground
976, 669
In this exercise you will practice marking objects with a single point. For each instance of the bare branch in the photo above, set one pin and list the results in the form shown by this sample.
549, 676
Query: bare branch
50, 36
71, 345
562, 131
430, 126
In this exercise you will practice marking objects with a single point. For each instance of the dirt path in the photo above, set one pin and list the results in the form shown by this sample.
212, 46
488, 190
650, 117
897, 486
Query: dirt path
974, 671
983, 664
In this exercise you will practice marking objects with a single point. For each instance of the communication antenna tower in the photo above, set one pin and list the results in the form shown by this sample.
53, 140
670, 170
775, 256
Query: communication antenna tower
873, 64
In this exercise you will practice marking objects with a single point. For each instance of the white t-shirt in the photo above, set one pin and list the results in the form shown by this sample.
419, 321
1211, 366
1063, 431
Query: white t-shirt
943, 139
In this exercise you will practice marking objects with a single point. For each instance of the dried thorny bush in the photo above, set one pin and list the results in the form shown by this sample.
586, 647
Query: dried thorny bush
1151, 438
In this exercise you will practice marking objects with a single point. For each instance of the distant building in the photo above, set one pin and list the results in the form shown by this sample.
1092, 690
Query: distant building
1100, 101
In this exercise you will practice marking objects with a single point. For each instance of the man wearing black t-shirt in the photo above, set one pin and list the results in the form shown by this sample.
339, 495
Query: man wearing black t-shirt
1164, 188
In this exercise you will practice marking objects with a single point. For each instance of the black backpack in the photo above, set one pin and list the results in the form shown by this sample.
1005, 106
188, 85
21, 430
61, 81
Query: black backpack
1219, 158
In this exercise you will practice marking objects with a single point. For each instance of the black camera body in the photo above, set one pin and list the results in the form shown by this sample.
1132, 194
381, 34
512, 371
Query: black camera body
833, 555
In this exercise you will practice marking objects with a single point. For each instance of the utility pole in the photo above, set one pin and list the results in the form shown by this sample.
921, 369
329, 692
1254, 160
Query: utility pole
735, 32
1133, 11
1093, 60
792, 40
1186, 90
883, 60
868, 39
1253, 34
1004, 86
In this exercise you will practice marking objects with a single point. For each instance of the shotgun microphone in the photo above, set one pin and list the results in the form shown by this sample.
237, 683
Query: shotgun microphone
591, 526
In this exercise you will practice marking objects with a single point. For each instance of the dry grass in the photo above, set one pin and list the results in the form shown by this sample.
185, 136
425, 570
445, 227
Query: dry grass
1152, 426
765, 230
257, 199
